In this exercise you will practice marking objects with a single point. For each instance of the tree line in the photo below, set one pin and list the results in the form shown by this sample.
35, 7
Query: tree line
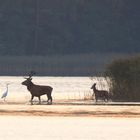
34, 27
58, 65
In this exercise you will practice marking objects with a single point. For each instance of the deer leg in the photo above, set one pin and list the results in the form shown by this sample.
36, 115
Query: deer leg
107, 98
39, 100
32, 100
50, 97
103, 98
47, 97
96, 98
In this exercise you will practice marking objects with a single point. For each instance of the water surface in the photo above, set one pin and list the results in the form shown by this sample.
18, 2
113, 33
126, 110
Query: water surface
63, 87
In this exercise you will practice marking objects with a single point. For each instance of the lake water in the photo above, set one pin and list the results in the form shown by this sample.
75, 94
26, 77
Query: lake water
63, 87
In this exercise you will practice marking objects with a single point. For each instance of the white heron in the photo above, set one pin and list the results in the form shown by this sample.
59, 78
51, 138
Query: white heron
5, 93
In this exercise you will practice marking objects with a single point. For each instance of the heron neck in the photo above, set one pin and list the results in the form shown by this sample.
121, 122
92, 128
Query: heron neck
7, 88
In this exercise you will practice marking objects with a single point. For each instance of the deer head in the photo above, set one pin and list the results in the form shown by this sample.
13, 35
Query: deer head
93, 86
28, 80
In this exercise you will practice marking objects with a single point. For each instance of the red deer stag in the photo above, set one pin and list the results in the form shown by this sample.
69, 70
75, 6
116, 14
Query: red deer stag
102, 94
37, 90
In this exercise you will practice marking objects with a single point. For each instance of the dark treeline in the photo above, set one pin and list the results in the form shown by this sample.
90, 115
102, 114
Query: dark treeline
58, 65
41, 27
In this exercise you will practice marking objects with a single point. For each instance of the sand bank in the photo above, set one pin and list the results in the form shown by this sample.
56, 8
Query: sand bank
75, 110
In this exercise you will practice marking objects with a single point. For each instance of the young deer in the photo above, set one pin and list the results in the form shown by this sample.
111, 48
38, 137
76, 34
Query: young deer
103, 94
37, 90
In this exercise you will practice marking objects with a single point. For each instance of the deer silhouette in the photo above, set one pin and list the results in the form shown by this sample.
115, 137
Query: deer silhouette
102, 94
38, 90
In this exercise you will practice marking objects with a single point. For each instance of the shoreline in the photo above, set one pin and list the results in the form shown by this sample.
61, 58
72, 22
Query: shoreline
70, 110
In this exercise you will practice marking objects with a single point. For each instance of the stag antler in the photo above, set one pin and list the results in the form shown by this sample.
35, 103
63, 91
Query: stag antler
31, 74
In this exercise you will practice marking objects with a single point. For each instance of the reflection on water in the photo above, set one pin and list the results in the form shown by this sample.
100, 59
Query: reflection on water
63, 87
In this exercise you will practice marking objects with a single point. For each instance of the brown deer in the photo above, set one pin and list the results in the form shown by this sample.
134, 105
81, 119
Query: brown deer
37, 90
102, 94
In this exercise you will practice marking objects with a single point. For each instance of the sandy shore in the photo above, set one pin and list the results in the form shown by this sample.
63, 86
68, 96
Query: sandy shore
75, 110
68, 128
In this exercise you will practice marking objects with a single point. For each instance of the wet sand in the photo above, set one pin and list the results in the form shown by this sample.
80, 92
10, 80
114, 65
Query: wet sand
69, 110
71, 121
